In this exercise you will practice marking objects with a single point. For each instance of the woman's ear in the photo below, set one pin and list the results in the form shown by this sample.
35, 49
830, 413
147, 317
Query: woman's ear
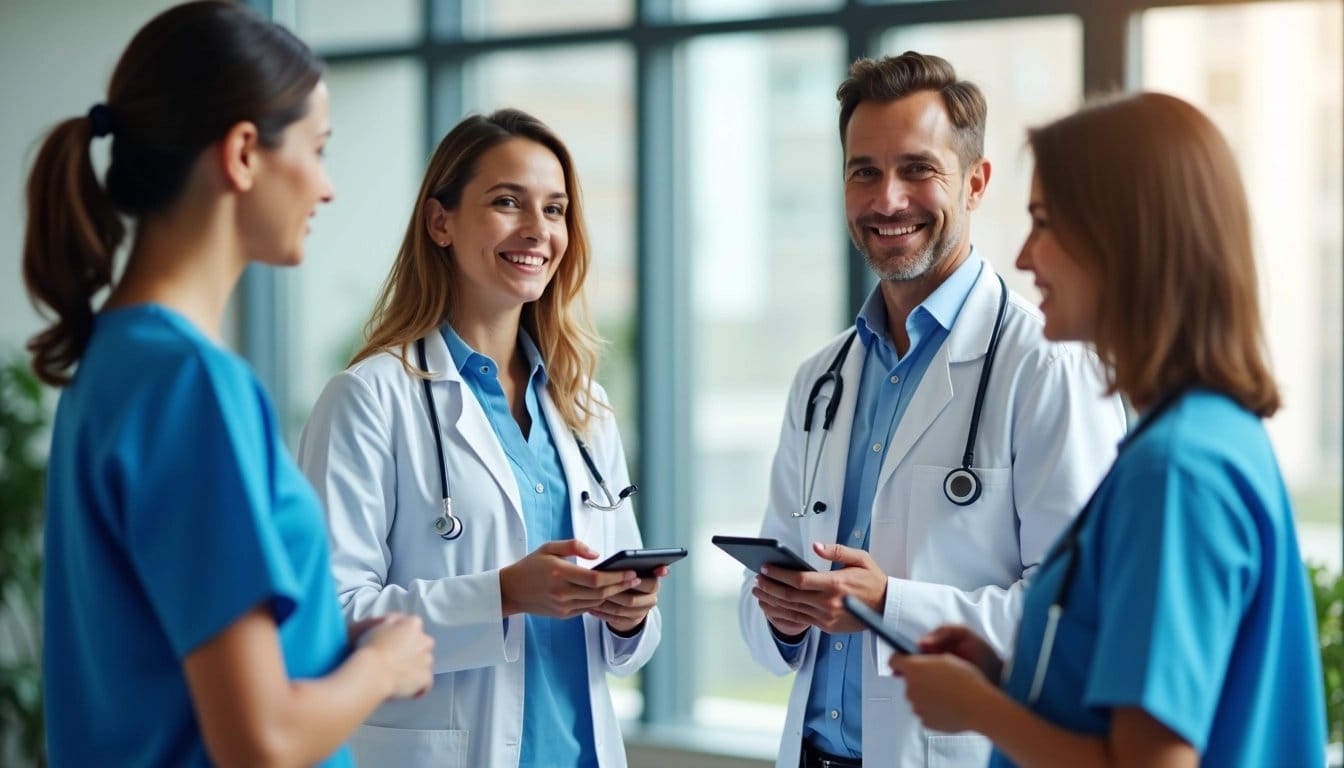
239, 155
438, 223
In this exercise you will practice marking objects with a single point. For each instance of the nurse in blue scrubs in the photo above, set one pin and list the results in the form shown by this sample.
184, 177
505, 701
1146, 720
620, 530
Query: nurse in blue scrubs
1172, 624
189, 617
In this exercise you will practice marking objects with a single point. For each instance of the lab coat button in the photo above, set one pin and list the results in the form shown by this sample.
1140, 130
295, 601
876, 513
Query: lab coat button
540, 488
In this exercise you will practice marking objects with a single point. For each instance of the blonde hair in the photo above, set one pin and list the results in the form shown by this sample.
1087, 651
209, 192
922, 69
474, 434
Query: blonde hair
418, 295
1144, 191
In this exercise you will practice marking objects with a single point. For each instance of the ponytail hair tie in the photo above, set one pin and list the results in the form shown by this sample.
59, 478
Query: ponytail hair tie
100, 117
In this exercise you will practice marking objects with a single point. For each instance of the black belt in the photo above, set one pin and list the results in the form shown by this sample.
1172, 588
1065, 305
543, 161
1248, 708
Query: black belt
815, 758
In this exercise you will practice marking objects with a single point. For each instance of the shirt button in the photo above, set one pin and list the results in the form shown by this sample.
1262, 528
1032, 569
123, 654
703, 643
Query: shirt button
540, 488
835, 714
858, 535
895, 379
877, 447
485, 369
839, 646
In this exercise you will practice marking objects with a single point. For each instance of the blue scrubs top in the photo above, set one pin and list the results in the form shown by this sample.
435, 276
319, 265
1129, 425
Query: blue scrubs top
1189, 598
833, 718
173, 508
557, 713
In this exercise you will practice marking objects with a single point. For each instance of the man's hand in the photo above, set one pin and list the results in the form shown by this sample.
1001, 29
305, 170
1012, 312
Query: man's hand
795, 600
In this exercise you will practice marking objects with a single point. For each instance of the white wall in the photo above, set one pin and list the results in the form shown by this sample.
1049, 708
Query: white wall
56, 57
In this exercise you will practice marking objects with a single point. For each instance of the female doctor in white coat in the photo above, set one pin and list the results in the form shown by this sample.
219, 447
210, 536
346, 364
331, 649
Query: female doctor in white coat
465, 458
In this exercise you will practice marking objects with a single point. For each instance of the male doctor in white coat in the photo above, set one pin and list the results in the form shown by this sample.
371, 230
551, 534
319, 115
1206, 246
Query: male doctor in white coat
877, 512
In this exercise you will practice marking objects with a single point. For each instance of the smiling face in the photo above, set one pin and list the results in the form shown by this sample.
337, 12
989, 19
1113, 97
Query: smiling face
907, 199
291, 182
1070, 294
508, 234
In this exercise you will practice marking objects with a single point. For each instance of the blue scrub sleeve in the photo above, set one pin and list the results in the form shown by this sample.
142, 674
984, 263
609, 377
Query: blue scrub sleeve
197, 497
1179, 562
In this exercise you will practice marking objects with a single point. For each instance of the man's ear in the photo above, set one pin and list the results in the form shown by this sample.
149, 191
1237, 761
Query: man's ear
239, 156
978, 180
438, 222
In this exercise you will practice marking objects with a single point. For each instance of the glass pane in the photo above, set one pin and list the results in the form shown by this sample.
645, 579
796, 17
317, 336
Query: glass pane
593, 115
1030, 71
485, 18
1280, 107
701, 10
375, 165
765, 238
344, 24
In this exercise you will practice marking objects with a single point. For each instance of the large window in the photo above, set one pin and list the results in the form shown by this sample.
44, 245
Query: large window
764, 241
1280, 106
705, 137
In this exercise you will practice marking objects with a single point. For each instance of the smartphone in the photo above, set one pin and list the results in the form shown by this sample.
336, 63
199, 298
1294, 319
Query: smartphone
754, 553
641, 561
874, 622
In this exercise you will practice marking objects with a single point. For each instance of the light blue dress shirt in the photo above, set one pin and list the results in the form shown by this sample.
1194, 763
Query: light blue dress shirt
833, 720
557, 712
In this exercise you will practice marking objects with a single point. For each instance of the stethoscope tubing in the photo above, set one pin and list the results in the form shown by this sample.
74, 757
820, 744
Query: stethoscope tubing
963, 475
1068, 547
450, 527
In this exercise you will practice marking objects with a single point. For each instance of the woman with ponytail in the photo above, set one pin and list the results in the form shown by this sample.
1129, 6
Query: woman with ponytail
189, 616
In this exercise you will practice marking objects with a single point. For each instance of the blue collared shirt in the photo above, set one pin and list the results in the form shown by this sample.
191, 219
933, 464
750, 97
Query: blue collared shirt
557, 713
833, 721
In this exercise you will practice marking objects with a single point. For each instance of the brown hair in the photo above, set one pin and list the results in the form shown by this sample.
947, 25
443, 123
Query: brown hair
418, 295
895, 77
187, 77
1143, 190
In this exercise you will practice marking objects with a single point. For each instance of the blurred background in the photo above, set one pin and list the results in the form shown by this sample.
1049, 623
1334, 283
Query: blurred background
705, 135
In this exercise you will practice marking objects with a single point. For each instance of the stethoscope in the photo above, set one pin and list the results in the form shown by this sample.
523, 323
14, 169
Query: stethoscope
448, 525
1068, 547
961, 486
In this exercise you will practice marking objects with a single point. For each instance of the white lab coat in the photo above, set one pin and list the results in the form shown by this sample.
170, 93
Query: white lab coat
1046, 437
369, 451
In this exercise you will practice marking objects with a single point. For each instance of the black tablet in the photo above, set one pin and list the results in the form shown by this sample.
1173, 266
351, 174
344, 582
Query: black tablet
641, 561
754, 552
873, 621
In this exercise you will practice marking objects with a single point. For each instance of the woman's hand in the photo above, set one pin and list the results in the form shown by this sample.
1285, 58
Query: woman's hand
546, 584
625, 612
946, 692
961, 641
407, 653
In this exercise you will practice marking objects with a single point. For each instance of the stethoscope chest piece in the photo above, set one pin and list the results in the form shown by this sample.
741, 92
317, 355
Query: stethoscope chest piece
448, 525
962, 486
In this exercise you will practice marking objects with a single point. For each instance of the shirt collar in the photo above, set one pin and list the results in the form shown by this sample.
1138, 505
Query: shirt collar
943, 305
467, 358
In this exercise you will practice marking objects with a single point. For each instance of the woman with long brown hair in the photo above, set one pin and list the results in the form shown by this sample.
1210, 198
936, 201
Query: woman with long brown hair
1171, 624
467, 455
189, 617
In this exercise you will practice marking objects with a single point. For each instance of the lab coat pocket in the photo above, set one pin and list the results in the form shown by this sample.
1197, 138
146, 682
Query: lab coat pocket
966, 546
956, 749
378, 747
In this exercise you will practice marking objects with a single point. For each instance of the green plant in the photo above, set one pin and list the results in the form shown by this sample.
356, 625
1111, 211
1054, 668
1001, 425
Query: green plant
23, 427
1328, 589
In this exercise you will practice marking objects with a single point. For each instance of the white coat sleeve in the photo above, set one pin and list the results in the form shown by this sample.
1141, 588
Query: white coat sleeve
1064, 437
348, 454
779, 523
623, 656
